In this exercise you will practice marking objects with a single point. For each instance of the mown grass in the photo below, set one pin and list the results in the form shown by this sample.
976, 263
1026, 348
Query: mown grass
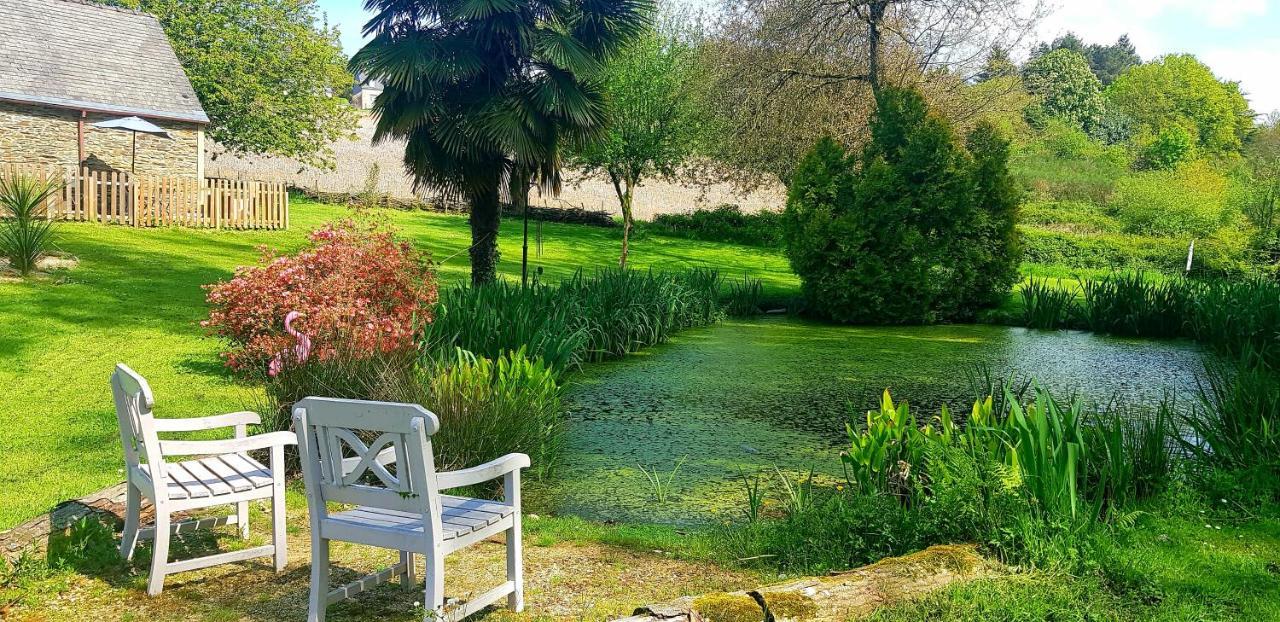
136, 297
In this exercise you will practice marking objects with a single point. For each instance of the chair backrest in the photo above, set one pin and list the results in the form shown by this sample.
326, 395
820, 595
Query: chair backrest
134, 404
338, 465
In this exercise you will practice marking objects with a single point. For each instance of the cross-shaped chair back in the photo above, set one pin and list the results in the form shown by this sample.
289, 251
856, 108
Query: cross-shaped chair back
344, 468
134, 404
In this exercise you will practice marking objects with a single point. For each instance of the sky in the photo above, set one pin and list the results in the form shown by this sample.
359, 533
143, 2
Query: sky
1238, 39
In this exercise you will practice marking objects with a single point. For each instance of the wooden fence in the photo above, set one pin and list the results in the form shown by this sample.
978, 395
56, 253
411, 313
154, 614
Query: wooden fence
159, 201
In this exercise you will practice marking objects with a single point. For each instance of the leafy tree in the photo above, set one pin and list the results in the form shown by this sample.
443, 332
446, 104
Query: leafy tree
995, 244
1066, 86
1263, 159
905, 232
270, 79
1106, 61
484, 89
652, 124
1172, 147
1178, 90
997, 65
1109, 61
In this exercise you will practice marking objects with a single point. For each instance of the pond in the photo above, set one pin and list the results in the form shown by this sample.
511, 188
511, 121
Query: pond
748, 396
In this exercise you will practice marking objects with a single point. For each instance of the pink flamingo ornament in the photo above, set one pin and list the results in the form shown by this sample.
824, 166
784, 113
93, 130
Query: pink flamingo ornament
300, 351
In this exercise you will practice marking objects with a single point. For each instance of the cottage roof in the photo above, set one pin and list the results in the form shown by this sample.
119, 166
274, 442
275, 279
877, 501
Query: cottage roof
87, 56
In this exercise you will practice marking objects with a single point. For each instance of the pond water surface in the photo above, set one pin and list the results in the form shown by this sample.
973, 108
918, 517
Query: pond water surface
746, 396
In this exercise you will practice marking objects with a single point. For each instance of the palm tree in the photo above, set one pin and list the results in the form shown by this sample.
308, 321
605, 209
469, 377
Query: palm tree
481, 88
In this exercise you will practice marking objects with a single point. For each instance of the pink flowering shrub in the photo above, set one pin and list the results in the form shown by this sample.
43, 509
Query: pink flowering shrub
354, 286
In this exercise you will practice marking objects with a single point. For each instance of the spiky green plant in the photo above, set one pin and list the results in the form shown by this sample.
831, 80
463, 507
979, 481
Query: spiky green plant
26, 231
1045, 306
744, 297
481, 90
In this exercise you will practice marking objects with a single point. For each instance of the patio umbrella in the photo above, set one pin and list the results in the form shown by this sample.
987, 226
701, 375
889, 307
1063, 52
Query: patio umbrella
135, 125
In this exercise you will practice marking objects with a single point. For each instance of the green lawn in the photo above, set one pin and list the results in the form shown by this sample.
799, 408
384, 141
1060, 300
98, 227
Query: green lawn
136, 298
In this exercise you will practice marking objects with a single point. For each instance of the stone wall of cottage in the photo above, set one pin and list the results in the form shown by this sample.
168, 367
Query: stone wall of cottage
32, 134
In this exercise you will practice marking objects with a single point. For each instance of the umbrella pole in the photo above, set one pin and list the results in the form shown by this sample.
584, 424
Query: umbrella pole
133, 162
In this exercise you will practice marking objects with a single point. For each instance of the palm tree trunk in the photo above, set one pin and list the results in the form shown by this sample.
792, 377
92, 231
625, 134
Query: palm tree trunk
486, 214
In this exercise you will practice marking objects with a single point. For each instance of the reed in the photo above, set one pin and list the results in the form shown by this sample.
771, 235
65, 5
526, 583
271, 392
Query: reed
1045, 306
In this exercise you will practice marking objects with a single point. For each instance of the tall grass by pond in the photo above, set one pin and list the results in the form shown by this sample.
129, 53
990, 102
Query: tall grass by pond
586, 318
1235, 317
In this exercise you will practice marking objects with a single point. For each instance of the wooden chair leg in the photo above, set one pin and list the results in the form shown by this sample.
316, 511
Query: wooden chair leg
279, 536
515, 568
408, 578
159, 553
242, 518
132, 512
433, 597
319, 579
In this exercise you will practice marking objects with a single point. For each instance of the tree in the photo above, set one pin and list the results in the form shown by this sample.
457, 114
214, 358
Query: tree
783, 73
1066, 87
482, 89
1263, 159
914, 230
1178, 90
997, 65
271, 80
652, 123
1109, 61
1106, 61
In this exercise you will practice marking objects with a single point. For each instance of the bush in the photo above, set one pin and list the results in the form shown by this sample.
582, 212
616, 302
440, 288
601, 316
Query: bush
1190, 201
1220, 255
25, 229
908, 232
726, 223
352, 284
1063, 164
1173, 147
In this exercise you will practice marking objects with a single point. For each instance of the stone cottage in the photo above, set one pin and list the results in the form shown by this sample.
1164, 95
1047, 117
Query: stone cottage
67, 64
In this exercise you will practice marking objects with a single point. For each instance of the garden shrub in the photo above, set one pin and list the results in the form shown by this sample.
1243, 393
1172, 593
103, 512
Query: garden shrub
26, 230
353, 283
1221, 254
1189, 201
1174, 146
914, 230
1063, 164
1069, 217
726, 223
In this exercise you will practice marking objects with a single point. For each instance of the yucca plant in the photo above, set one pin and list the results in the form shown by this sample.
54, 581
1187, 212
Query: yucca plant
486, 90
26, 230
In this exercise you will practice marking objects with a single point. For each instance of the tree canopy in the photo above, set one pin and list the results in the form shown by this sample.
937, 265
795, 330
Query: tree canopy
272, 79
1065, 86
484, 91
1106, 61
1179, 90
652, 123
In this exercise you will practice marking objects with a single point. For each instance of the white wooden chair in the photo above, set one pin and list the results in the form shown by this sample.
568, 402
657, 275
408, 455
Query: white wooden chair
403, 510
226, 476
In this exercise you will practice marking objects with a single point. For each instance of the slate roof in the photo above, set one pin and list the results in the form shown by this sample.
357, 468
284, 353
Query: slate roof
87, 56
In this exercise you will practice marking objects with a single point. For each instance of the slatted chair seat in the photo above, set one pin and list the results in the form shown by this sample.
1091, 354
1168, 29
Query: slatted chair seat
215, 476
459, 516
400, 507
226, 476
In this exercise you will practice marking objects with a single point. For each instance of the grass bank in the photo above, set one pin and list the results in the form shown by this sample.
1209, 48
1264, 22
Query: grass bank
136, 297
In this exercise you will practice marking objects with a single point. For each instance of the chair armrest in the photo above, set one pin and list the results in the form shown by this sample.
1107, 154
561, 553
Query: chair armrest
192, 424
227, 446
482, 473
